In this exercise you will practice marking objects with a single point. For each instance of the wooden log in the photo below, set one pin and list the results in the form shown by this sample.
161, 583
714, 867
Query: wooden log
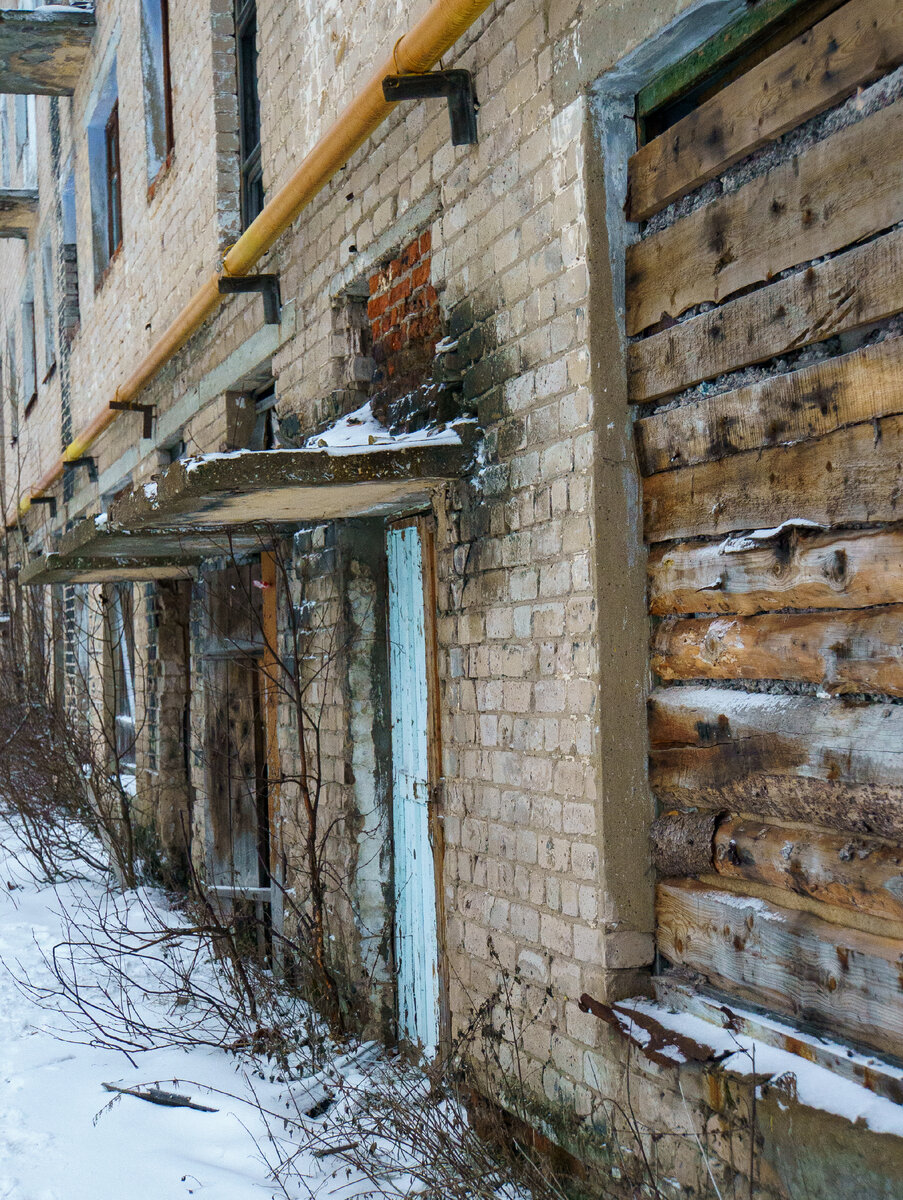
858, 650
792, 570
852, 46
839, 980
857, 287
683, 841
779, 411
858, 873
833, 194
871, 1073
829, 763
851, 475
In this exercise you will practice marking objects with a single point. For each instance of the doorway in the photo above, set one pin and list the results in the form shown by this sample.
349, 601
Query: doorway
415, 748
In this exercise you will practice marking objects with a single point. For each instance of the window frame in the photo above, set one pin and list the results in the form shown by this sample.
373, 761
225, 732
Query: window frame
251, 193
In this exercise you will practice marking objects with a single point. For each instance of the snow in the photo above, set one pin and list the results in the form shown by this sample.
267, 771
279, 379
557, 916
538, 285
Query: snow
64, 1137
358, 432
101, 519
150, 492
814, 1086
751, 540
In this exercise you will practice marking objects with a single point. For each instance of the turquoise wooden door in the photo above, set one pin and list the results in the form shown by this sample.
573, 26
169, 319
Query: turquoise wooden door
416, 935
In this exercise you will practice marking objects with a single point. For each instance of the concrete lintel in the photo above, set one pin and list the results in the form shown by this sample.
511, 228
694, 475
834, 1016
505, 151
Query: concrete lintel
43, 53
56, 568
18, 212
111, 542
293, 486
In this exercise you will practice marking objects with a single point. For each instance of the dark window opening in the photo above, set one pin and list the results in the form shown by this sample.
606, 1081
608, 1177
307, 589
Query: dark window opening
71, 314
248, 110
122, 648
114, 183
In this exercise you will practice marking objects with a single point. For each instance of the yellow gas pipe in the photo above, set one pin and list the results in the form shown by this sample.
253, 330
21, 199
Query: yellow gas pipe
418, 50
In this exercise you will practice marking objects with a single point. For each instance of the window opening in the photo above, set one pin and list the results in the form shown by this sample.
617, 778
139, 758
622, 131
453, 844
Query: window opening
104, 164
71, 312
29, 349
155, 62
11, 385
248, 110
47, 296
114, 183
762, 30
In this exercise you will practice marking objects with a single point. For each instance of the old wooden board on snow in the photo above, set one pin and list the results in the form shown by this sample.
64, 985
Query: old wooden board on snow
861, 285
825, 762
793, 569
820, 974
855, 650
825, 198
785, 408
821, 67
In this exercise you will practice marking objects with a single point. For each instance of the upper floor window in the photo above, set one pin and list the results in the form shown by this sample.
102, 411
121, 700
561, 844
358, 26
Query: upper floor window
248, 110
158, 120
114, 182
29, 347
105, 169
69, 253
48, 296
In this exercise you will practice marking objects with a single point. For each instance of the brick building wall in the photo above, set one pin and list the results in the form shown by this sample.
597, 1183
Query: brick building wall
502, 249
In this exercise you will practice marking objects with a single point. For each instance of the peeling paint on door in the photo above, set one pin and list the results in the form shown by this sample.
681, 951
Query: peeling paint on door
416, 934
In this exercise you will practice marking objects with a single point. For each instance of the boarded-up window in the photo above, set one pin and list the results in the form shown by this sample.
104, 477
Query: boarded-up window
764, 302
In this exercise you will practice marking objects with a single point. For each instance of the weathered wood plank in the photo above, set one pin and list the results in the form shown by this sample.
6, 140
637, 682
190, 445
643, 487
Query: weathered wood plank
851, 475
853, 651
841, 980
828, 763
871, 1073
858, 873
853, 46
786, 408
857, 287
837, 192
792, 570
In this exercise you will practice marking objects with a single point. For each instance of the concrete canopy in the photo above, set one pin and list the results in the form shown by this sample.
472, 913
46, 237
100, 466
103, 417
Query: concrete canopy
233, 504
296, 486
18, 212
43, 53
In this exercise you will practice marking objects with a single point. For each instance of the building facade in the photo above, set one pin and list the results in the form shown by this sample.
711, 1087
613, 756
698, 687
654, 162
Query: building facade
496, 543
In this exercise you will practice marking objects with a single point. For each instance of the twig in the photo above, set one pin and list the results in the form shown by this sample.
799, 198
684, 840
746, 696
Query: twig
156, 1096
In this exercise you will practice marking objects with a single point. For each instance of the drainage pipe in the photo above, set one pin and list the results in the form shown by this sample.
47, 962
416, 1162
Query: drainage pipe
418, 50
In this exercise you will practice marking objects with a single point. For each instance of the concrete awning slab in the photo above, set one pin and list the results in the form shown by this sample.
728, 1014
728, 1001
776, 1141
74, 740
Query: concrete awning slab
222, 505
57, 568
294, 486
18, 212
43, 53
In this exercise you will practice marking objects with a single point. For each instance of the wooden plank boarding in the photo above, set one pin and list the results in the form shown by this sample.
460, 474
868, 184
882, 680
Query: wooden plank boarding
851, 47
785, 408
852, 475
862, 874
792, 570
835, 193
850, 651
827, 763
843, 980
859, 286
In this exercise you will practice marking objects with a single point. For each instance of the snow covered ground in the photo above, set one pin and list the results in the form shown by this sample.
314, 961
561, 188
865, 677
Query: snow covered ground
63, 1137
